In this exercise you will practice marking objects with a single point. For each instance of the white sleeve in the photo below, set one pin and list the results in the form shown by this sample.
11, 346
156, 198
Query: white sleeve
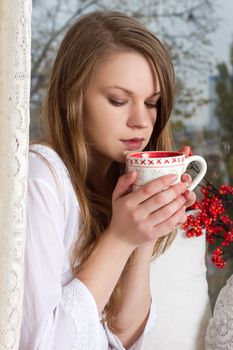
114, 341
54, 317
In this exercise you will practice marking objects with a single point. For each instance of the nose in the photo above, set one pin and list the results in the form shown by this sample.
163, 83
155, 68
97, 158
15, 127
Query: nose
139, 117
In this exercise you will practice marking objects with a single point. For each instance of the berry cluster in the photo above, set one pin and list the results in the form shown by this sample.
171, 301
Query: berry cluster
213, 217
217, 258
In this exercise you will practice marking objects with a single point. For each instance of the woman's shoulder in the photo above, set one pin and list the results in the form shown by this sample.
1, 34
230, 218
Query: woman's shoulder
47, 168
41, 155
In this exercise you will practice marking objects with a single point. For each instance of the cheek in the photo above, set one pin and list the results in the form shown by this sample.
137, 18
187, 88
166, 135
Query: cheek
100, 112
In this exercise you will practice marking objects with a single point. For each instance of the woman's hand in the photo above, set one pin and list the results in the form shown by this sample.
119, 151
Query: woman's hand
190, 195
152, 211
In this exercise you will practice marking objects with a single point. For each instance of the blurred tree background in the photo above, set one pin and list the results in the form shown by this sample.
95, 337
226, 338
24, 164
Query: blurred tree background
224, 108
222, 101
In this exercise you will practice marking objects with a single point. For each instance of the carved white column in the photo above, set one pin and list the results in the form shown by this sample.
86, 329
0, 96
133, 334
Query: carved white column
15, 47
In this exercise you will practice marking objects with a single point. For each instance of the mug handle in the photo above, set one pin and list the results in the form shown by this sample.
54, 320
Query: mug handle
203, 168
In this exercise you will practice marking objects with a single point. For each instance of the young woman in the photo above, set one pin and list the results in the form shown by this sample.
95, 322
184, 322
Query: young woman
89, 239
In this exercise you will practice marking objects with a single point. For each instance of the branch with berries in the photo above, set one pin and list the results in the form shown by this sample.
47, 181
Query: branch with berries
214, 217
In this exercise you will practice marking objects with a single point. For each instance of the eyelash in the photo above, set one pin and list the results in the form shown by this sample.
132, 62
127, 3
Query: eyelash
122, 103
116, 102
150, 105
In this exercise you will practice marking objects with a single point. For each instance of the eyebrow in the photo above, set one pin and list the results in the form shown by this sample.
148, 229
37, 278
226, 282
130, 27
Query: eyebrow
130, 92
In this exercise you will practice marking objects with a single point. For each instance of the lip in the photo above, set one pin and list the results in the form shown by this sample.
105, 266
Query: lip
133, 144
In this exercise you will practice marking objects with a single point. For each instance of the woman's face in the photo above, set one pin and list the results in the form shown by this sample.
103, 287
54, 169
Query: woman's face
120, 106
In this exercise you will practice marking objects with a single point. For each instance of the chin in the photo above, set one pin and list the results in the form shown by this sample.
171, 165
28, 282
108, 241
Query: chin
120, 158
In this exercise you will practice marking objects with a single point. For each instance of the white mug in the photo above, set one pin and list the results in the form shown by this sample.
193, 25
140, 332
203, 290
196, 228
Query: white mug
153, 164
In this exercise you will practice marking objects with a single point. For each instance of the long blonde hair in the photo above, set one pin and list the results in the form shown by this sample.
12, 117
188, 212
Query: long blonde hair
92, 37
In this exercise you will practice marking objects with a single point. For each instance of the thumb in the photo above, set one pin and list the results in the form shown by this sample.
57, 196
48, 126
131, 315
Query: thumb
185, 150
123, 185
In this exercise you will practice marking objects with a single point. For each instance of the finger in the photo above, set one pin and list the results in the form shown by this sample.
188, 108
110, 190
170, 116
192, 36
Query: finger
169, 225
186, 178
190, 198
123, 185
186, 150
153, 187
163, 198
183, 220
167, 211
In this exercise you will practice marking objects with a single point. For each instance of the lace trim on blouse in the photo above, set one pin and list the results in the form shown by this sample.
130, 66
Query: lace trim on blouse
79, 304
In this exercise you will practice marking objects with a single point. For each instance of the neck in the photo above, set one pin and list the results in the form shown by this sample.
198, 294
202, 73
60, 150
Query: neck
102, 176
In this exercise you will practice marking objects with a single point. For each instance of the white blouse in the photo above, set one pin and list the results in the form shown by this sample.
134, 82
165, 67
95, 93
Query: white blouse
59, 312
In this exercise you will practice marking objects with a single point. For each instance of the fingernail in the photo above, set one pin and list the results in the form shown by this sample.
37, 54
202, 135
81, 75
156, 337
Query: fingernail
129, 175
186, 184
185, 176
186, 194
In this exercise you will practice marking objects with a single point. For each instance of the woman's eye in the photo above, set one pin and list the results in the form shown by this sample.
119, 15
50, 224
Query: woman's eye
117, 102
151, 104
